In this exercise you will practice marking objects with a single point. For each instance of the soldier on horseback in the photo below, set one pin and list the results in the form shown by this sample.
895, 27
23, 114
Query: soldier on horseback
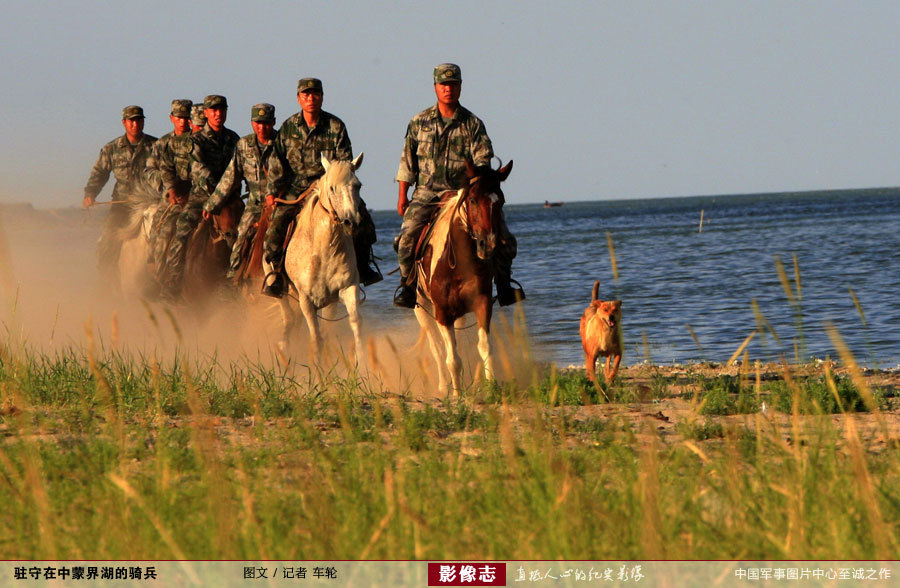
212, 150
249, 163
439, 141
299, 145
126, 158
171, 161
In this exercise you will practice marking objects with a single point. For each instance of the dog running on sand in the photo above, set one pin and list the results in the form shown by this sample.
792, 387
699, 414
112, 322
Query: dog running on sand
600, 335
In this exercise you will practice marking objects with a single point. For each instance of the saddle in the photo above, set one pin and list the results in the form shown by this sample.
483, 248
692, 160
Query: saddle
253, 249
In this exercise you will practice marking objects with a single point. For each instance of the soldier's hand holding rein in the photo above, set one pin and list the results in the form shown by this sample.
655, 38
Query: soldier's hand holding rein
270, 200
172, 197
87, 202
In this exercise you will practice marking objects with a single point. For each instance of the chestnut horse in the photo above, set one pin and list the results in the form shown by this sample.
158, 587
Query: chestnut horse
455, 273
208, 252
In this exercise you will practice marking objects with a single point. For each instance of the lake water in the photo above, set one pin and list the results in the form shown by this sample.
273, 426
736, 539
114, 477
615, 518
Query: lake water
674, 279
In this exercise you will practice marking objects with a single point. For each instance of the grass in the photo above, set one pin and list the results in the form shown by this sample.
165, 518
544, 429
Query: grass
119, 457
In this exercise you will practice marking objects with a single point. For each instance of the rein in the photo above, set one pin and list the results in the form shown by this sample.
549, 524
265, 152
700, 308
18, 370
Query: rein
217, 235
302, 198
330, 213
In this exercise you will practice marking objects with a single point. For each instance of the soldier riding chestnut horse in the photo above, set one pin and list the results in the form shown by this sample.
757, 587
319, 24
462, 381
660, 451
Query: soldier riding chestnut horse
456, 272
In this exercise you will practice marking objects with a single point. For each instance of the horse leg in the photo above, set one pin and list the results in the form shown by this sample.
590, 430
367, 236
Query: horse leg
483, 315
288, 321
350, 298
454, 363
429, 326
484, 348
312, 321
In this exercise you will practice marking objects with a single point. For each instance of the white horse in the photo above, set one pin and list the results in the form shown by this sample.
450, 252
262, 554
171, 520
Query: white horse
134, 269
320, 260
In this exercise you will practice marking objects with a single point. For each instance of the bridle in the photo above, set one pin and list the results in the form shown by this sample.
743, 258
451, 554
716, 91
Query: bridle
330, 212
216, 233
490, 208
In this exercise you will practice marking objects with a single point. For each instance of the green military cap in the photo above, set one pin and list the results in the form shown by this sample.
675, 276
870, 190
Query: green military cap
262, 112
132, 112
197, 116
181, 108
447, 72
309, 85
215, 101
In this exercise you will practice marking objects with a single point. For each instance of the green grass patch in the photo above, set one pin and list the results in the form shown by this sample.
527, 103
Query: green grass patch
816, 396
132, 460
724, 395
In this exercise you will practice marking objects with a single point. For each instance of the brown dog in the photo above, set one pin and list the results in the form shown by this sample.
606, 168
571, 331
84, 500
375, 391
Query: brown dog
600, 335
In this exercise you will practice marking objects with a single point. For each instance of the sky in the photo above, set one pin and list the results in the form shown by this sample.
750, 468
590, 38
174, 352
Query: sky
592, 100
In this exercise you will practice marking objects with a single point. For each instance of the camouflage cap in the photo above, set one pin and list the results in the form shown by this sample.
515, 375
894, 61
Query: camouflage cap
181, 108
309, 85
262, 112
447, 72
215, 101
132, 112
197, 116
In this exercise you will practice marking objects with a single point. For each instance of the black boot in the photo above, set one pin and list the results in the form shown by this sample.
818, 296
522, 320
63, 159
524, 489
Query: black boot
365, 259
506, 294
405, 295
273, 285
367, 275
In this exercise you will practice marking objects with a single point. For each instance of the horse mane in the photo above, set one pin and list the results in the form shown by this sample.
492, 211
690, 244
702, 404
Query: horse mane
132, 227
443, 222
253, 265
198, 239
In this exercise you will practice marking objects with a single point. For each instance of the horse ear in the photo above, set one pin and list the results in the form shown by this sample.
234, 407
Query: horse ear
357, 162
470, 169
504, 171
325, 162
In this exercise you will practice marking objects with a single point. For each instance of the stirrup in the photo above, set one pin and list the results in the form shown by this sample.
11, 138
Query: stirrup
507, 295
274, 288
405, 296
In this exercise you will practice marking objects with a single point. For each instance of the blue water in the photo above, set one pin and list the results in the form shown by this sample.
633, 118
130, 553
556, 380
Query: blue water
672, 276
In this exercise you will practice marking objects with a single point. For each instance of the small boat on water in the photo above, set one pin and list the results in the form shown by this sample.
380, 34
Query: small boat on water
548, 204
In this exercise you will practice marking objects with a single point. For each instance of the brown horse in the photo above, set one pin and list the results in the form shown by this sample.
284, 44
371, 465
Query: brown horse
455, 273
208, 252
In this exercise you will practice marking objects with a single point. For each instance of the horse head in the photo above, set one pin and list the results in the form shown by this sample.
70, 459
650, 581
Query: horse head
339, 191
484, 200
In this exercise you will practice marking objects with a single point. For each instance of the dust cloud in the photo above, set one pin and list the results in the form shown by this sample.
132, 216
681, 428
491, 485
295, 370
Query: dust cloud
53, 299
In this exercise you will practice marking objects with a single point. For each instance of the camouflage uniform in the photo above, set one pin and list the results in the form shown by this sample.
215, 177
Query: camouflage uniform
171, 163
134, 184
296, 165
249, 163
434, 159
209, 157
172, 158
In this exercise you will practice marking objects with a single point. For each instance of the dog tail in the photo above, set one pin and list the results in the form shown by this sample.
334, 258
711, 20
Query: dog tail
596, 290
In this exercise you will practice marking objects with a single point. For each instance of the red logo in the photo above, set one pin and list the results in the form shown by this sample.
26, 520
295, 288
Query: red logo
477, 573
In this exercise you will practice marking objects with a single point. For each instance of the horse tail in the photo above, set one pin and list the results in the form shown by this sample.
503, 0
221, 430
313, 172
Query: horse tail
596, 290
